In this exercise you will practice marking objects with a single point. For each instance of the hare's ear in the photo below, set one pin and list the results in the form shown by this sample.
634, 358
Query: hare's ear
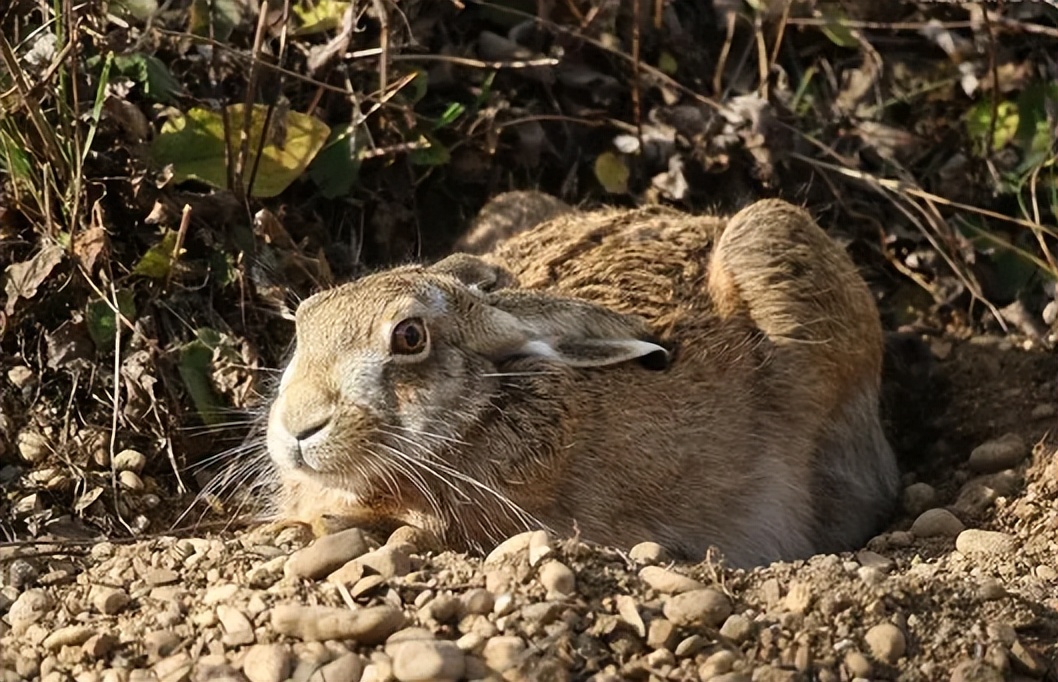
474, 272
570, 331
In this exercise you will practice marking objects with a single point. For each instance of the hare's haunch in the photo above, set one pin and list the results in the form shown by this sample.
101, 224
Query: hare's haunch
627, 375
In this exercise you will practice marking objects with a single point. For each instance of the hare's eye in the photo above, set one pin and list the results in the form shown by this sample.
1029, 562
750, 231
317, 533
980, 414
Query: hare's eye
409, 337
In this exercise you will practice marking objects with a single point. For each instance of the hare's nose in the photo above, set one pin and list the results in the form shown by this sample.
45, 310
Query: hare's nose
306, 412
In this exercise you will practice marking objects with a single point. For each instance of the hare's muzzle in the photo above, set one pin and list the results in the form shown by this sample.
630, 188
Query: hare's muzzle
300, 424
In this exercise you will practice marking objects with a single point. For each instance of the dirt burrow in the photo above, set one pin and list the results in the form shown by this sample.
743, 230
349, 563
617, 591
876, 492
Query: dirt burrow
963, 586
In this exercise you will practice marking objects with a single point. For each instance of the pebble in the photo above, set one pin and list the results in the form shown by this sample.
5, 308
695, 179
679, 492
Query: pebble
990, 589
161, 576
388, 561
326, 555
858, 664
419, 538
108, 600
345, 667
161, 643
238, 631
557, 579
661, 633
509, 549
936, 523
30, 607
668, 582
129, 460
698, 607
1001, 453
737, 628
718, 663
648, 553
477, 601
886, 642
71, 635
918, 497
539, 547
267, 663
419, 660
976, 541
503, 653
975, 671
874, 560
629, 612
370, 625
99, 645
798, 597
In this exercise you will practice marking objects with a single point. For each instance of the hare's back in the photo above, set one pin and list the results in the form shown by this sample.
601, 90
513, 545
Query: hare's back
651, 262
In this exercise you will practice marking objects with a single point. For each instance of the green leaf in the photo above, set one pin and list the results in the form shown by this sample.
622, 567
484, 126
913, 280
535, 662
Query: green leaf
196, 359
138, 9
101, 321
320, 15
194, 145
149, 71
225, 16
979, 123
158, 260
668, 63
454, 111
837, 29
432, 154
1035, 134
612, 172
336, 169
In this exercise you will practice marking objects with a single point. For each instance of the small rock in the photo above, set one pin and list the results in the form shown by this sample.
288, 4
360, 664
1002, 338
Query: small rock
558, 580
690, 646
730, 677
108, 600
668, 582
857, 664
418, 660
345, 667
509, 549
1002, 453
698, 607
936, 523
365, 585
990, 590
718, 663
326, 555
661, 634
71, 635
975, 671
539, 547
629, 612
28, 608
129, 460
388, 561
798, 597
737, 628
478, 601
161, 643
161, 576
503, 653
370, 625
99, 645
886, 642
219, 594
648, 553
874, 560
349, 574
130, 480
976, 541
175, 668
870, 575
267, 663
238, 631
1046, 573
918, 497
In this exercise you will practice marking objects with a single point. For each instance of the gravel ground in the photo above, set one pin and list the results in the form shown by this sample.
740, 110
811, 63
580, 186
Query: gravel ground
962, 587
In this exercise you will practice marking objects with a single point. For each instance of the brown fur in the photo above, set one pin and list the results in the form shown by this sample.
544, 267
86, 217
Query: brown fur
760, 436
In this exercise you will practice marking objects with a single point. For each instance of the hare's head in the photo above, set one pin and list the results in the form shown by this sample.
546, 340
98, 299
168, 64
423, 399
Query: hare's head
395, 375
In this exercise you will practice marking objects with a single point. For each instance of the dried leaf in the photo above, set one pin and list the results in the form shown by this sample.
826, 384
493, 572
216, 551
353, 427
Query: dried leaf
69, 345
89, 246
23, 279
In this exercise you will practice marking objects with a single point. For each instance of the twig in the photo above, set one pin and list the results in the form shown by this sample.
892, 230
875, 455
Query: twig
181, 233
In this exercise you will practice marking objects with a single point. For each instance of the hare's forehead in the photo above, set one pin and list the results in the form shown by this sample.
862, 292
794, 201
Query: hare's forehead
364, 307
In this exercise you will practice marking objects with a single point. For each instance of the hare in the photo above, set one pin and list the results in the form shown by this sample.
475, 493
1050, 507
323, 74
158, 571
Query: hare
624, 375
